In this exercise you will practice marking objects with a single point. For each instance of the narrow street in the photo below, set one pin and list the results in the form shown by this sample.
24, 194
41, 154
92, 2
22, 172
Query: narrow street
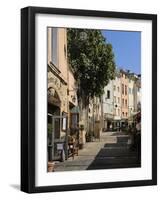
112, 151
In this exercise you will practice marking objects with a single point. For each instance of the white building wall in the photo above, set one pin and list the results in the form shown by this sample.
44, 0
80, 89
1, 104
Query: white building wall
108, 99
107, 104
137, 94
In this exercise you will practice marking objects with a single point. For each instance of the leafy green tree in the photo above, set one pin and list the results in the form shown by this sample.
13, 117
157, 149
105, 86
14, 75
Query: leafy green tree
92, 61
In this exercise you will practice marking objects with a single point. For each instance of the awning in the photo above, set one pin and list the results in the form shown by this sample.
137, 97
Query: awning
75, 110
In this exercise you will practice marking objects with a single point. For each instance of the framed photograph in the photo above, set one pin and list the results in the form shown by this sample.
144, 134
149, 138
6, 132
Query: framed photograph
88, 99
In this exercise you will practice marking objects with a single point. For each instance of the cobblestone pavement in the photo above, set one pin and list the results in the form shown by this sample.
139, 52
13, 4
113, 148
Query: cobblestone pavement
111, 151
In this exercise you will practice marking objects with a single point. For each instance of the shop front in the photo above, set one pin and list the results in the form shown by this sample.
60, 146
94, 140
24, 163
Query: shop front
108, 122
57, 123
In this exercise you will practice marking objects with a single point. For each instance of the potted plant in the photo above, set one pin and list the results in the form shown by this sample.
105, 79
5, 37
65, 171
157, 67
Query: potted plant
51, 166
81, 127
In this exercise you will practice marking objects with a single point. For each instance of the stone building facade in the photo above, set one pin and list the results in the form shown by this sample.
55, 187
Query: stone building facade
137, 94
57, 77
124, 95
131, 96
117, 100
121, 100
61, 89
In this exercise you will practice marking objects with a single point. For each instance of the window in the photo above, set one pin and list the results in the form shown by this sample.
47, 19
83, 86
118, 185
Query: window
122, 88
118, 112
114, 99
108, 94
126, 114
65, 51
122, 113
54, 47
132, 90
126, 102
115, 111
118, 89
125, 89
118, 99
114, 87
123, 102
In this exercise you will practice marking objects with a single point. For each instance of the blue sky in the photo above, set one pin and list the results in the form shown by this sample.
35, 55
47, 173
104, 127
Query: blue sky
127, 49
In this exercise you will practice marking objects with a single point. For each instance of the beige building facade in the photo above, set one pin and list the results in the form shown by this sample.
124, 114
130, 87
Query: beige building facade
117, 100
131, 96
121, 100
57, 78
124, 95
61, 89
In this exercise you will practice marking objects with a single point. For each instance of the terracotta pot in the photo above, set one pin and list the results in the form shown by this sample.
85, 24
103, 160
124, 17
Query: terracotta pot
81, 146
51, 166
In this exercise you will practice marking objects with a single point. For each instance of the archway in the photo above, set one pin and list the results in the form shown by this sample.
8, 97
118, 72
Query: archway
54, 105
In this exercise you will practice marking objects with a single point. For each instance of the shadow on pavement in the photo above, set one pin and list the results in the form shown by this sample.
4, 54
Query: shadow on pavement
113, 156
119, 133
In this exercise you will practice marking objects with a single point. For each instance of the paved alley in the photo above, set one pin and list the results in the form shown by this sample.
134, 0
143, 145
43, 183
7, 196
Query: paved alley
112, 151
